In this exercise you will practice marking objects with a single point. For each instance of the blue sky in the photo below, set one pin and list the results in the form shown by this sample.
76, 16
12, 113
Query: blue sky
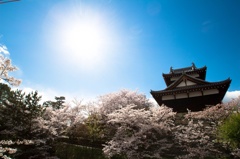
86, 48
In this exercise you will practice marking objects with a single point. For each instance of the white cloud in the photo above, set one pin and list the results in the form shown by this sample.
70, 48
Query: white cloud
3, 49
50, 94
152, 100
231, 95
46, 95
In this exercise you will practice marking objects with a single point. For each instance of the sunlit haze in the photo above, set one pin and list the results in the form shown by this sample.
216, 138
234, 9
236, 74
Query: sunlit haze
80, 35
86, 48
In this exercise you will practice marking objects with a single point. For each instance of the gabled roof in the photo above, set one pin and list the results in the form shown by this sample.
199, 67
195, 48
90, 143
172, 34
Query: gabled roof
176, 73
185, 78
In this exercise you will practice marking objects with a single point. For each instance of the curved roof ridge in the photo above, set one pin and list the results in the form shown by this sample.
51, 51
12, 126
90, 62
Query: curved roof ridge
187, 87
181, 70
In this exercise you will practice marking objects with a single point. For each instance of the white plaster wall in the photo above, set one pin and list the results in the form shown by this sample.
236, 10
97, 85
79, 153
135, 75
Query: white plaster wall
195, 94
190, 83
174, 78
211, 91
167, 97
182, 95
195, 75
182, 84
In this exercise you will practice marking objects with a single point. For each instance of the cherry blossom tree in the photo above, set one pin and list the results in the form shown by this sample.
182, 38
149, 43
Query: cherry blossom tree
197, 140
60, 122
6, 67
113, 101
140, 133
5, 152
95, 113
198, 137
143, 132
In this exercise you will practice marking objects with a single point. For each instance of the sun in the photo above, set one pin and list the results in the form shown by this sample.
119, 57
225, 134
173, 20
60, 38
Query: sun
83, 38
80, 36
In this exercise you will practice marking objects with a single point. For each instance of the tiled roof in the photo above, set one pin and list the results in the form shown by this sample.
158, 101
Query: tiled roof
193, 87
180, 70
176, 72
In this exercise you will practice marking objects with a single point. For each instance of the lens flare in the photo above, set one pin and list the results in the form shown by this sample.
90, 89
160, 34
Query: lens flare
80, 36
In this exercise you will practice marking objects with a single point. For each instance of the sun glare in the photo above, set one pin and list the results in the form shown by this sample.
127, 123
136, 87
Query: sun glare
83, 39
81, 36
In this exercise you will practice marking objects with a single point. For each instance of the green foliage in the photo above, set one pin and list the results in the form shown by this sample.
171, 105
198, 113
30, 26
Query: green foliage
78, 130
58, 104
229, 131
19, 113
19, 119
4, 92
94, 126
91, 129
